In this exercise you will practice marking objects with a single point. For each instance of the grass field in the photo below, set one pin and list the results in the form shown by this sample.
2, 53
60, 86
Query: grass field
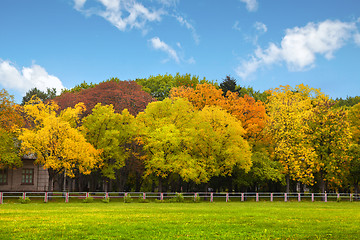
219, 220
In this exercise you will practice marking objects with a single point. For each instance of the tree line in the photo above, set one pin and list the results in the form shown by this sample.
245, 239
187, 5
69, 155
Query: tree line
182, 133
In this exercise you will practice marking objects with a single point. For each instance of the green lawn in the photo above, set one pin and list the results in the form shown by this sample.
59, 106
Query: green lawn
218, 220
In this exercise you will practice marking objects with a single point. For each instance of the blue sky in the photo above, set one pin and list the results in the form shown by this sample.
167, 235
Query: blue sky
261, 43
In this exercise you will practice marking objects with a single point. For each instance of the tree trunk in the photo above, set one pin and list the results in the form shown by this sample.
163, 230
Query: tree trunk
287, 183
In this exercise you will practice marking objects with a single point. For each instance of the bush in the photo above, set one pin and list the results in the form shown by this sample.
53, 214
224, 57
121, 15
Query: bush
197, 199
24, 201
142, 200
128, 199
105, 200
88, 200
178, 198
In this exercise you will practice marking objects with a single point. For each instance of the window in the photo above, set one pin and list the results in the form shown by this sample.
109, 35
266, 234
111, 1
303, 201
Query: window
27, 176
3, 176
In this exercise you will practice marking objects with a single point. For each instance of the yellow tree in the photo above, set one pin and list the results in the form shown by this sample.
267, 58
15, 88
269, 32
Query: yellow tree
354, 118
111, 132
251, 113
289, 111
57, 145
10, 121
197, 145
330, 136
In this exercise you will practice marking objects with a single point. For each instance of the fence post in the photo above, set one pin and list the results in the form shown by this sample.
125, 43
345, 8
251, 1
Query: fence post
87, 195
285, 197
46, 197
161, 196
106, 195
227, 197
242, 197
195, 197
338, 197
271, 197
24, 195
211, 197
299, 197
144, 195
351, 197
67, 197
325, 197
257, 196
312, 197
1, 198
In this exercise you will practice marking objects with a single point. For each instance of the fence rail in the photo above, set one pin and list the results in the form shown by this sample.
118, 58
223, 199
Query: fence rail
188, 196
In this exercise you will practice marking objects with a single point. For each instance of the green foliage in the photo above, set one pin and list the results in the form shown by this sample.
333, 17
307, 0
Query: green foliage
49, 94
24, 201
88, 200
348, 102
142, 200
179, 197
106, 200
110, 132
257, 95
128, 199
229, 84
78, 88
159, 86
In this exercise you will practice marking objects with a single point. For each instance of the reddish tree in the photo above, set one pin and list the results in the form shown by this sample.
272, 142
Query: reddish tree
121, 94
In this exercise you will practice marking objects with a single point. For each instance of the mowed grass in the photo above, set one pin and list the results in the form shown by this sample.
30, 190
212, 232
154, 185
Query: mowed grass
218, 220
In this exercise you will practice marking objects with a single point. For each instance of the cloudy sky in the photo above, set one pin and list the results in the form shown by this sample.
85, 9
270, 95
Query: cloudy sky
261, 43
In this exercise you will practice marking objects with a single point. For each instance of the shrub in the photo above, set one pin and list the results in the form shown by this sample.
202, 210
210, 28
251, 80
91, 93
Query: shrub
24, 201
88, 200
142, 200
178, 198
197, 199
128, 199
105, 200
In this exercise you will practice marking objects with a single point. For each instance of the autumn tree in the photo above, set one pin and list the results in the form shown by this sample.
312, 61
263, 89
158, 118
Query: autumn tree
354, 152
170, 129
110, 132
289, 111
159, 86
121, 94
251, 113
58, 146
330, 137
10, 122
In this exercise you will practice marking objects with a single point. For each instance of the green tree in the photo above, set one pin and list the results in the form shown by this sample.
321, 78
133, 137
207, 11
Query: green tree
49, 94
159, 86
229, 84
110, 132
170, 129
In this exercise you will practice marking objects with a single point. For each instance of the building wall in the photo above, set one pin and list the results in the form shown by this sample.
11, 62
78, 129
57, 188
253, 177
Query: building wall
40, 179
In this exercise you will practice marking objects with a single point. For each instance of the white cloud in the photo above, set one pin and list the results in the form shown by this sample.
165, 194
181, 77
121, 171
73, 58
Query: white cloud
79, 4
124, 14
185, 23
357, 38
157, 44
236, 26
261, 27
27, 78
299, 47
251, 5
191, 61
